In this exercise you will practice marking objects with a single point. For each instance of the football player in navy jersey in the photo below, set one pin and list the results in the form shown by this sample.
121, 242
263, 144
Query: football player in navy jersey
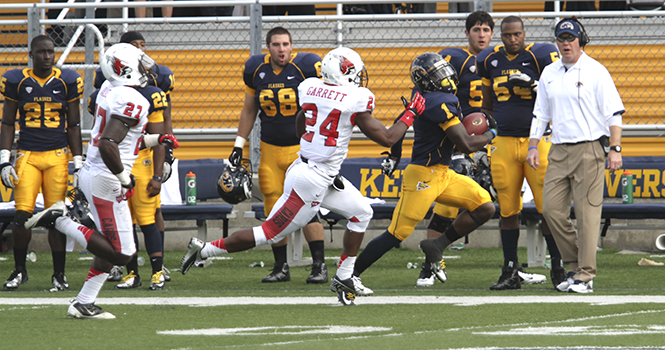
143, 203
479, 31
271, 85
163, 78
47, 101
510, 75
428, 178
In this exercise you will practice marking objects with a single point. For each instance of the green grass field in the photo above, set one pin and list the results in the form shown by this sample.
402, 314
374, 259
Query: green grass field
226, 306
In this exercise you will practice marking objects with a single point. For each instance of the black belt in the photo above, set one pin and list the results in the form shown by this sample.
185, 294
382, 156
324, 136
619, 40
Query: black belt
577, 143
304, 160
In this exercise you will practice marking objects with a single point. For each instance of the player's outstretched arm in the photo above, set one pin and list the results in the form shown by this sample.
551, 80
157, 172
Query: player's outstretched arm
378, 132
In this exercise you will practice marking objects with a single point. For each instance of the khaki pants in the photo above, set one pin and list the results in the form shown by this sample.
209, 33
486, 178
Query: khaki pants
575, 172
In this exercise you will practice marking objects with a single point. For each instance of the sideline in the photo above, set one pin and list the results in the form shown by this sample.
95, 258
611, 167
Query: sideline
373, 300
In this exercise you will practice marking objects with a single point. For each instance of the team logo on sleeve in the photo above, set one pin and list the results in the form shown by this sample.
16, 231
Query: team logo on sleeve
421, 186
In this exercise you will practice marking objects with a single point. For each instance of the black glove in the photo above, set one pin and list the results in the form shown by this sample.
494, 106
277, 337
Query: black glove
235, 156
524, 81
492, 128
390, 164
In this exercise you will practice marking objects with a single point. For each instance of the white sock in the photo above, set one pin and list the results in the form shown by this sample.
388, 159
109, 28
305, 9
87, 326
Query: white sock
345, 268
73, 229
93, 284
213, 248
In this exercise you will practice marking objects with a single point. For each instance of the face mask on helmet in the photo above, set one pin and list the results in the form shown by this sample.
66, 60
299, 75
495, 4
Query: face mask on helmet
343, 66
124, 64
79, 209
430, 72
234, 185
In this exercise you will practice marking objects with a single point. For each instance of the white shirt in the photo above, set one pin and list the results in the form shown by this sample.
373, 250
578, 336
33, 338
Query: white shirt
579, 101
125, 101
330, 112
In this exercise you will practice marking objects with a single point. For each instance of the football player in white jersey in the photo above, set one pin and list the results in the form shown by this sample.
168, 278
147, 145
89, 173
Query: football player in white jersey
121, 116
330, 109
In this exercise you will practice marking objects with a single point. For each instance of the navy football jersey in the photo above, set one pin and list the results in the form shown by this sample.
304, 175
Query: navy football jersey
42, 105
155, 96
513, 105
469, 90
276, 94
431, 145
162, 78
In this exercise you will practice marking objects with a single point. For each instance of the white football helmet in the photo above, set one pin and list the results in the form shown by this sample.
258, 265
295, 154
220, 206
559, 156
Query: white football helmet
343, 66
124, 64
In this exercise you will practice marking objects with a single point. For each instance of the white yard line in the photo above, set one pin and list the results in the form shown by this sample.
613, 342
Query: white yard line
374, 300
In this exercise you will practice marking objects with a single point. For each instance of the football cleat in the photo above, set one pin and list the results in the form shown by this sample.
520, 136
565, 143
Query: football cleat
280, 273
130, 281
46, 218
581, 287
563, 286
167, 274
530, 278
350, 285
426, 278
193, 253
59, 281
509, 279
17, 278
157, 281
78, 310
434, 258
346, 298
115, 275
319, 273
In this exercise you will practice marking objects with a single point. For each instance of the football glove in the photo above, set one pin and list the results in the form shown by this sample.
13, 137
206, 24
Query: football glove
491, 125
480, 159
235, 156
389, 164
168, 140
168, 162
78, 164
524, 81
8, 172
127, 183
413, 109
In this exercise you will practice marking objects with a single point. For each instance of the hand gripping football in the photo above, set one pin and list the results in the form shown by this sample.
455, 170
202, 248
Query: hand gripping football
475, 123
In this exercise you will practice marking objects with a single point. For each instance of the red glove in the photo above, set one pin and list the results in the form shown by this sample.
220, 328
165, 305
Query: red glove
413, 109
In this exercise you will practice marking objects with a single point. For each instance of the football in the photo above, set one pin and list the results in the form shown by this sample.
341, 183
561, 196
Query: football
475, 123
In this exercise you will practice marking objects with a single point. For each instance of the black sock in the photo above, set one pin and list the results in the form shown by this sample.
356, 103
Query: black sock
280, 255
58, 262
133, 265
509, 240
316, 248
19, 258
448, 237
156, 262
374, 251
552, 248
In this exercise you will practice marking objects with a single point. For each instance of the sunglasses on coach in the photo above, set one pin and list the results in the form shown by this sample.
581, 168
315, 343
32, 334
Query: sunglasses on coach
568, 38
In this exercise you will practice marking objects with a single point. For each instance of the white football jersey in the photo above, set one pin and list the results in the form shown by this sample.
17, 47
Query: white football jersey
330, 111
123, 101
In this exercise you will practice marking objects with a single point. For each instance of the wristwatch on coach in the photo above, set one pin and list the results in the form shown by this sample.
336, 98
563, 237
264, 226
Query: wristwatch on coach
616, 149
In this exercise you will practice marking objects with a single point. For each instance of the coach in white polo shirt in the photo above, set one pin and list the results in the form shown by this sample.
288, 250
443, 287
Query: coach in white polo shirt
577, 94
